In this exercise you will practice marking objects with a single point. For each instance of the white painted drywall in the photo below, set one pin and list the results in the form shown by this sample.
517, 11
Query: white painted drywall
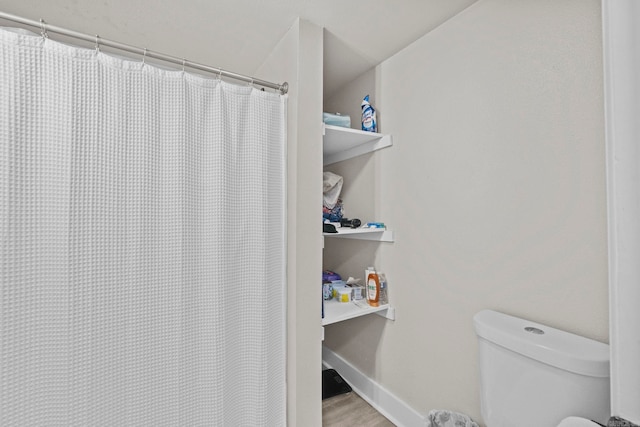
495, 186
298, 60
347, 102
239, 35
622, 66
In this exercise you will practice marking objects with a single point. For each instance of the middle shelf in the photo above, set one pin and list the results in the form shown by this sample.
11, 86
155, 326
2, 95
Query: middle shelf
378, 234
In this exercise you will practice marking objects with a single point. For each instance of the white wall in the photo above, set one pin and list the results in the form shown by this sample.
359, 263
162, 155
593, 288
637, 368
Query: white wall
347, 102
622, 89
298, 60
495, 186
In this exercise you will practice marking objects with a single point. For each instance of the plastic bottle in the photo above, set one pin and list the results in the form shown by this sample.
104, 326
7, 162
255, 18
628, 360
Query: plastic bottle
368, 116
373, 289
384, 295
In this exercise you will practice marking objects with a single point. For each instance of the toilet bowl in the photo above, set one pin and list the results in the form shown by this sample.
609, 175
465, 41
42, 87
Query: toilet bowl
577, 422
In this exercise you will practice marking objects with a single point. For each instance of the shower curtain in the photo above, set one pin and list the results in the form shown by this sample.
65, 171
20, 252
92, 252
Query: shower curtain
142, 243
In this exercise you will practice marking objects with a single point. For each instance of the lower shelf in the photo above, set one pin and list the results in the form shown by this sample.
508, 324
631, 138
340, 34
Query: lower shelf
335, 311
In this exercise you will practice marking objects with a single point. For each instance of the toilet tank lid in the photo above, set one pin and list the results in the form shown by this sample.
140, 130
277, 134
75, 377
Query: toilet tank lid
545, 344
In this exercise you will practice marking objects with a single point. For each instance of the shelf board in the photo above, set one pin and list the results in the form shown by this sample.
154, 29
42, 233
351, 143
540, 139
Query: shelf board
341, 143
335, 311
378, 234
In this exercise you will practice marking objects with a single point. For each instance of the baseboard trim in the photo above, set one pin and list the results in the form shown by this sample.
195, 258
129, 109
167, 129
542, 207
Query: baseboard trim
385, 402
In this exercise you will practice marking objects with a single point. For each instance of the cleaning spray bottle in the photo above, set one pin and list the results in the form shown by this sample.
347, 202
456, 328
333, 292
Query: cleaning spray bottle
368, 116
373, 289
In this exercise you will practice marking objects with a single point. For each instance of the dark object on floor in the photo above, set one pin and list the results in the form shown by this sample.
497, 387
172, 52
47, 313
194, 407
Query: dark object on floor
333, 384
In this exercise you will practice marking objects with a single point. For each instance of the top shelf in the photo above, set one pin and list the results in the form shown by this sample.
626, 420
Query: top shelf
345, 143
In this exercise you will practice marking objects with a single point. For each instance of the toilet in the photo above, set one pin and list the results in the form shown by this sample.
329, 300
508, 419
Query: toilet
532, 375
577, 422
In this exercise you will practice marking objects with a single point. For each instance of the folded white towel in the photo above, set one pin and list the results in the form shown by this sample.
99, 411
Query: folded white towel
438, 418
331, 188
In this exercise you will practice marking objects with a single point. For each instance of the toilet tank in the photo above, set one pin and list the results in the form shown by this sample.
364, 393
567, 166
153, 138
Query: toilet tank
532, 375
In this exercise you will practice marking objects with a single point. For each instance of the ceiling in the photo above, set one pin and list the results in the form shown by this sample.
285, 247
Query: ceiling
238, 35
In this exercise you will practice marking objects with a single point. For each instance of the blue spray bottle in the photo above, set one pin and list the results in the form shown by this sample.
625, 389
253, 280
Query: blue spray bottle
368, 116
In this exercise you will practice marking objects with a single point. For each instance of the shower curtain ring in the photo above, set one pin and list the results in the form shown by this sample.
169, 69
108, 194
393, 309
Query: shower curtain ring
183, 62
43, 29
220, 74
144, 55
97, 43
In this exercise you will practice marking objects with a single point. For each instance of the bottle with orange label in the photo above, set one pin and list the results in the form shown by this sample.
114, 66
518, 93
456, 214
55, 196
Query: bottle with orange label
373, 288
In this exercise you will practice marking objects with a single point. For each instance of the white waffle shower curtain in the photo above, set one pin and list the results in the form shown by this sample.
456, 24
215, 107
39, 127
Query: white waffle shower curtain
142, 243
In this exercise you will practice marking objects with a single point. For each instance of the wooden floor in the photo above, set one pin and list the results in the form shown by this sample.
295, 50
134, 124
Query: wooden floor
350, 410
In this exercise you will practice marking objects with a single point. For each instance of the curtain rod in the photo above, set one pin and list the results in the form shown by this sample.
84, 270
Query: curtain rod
99, 41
